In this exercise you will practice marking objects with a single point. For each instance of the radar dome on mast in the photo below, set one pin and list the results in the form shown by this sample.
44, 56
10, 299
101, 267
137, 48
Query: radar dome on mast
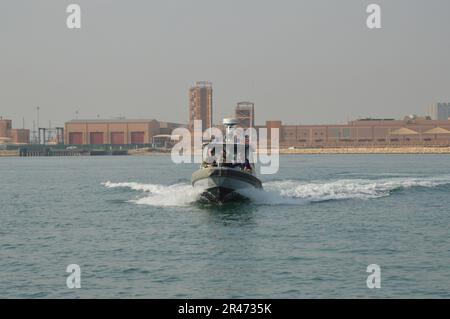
230, 122
230, 125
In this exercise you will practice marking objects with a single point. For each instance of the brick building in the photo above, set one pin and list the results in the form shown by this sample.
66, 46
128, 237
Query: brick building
366, 132
200, 104
119, 132
115, 132
9, 135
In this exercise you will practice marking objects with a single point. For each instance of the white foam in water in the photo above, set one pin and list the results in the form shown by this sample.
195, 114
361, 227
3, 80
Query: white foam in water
160, 195
268, 196
348, 188
287, 192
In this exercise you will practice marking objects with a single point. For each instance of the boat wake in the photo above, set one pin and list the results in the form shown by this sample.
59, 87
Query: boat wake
180, 194
285, 192
318, 191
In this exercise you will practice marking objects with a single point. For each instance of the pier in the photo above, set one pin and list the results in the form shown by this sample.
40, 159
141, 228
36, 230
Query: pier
59, 151
33, 152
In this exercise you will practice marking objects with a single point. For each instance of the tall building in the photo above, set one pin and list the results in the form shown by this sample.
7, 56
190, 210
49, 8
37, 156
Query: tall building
200, 104
245, 114
439, 111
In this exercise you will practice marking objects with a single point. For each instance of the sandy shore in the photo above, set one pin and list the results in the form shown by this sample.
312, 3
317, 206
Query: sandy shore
5, 153
146, 152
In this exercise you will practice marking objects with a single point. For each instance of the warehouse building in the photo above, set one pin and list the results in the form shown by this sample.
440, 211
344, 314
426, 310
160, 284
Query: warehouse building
366, 132
115, 131
8, 135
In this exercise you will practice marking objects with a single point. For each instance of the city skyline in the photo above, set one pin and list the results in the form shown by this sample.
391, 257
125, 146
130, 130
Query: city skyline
33, 124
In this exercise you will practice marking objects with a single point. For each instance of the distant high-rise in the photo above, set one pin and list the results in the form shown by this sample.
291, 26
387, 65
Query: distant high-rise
439, 111
200, 104
245, 114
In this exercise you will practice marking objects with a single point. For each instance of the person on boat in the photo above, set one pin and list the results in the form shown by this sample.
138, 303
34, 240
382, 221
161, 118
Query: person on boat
223, 160
240, 161
211, 158
247, 166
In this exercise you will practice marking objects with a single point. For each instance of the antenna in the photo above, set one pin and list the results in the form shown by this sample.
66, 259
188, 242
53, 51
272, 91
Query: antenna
34, 131
37, 109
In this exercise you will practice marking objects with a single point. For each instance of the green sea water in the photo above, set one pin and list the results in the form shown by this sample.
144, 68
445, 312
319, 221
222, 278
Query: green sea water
136, 229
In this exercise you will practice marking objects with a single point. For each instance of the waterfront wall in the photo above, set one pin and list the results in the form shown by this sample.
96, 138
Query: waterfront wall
369, 150
9, 153
328, 150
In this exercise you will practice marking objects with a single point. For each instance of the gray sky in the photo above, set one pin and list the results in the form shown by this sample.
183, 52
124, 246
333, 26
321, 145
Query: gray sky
300, 61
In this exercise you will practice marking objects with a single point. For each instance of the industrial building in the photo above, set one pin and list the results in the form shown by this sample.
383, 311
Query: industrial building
245, 114
9, 135
119, 131
115, 131
366, 132
362, 132
168, 127
200, 104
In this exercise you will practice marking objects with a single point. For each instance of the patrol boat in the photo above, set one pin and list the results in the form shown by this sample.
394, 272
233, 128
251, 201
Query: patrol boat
227, 170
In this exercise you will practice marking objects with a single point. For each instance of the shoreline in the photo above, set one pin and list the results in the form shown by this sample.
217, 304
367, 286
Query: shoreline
300, 151
370, 150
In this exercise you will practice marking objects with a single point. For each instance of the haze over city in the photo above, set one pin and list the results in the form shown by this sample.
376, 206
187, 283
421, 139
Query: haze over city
299, 61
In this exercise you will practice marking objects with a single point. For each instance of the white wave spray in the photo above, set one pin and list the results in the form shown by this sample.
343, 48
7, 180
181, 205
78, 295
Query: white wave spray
286, 192
348, 188
181, 194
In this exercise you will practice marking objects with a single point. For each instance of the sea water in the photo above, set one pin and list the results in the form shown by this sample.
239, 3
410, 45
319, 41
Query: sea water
135, 227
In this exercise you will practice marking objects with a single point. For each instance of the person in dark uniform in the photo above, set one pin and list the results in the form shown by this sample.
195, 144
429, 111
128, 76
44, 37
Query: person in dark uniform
247, 166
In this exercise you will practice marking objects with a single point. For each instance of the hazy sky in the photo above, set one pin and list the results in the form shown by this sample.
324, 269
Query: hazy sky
306, 62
